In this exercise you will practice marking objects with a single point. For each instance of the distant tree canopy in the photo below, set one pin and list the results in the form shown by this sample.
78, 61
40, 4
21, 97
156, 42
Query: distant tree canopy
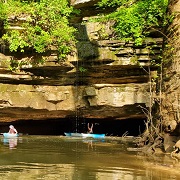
45, 25
133, 19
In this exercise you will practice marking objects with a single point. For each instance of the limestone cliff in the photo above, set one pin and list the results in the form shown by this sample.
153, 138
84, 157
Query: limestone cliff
103, 79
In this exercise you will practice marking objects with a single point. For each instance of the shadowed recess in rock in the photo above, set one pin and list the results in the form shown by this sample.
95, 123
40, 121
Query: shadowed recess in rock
130, 127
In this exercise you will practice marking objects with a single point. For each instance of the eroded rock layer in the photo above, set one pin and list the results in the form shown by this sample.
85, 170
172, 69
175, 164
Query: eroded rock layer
102, 79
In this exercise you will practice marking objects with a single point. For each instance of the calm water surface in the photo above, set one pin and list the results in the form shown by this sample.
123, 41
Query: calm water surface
66, 158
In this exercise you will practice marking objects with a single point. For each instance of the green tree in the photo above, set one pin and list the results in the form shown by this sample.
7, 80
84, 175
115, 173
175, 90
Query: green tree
45, 26
133, 19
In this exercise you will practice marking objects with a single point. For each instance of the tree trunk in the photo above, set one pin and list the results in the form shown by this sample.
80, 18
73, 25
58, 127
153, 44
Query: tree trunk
170, 104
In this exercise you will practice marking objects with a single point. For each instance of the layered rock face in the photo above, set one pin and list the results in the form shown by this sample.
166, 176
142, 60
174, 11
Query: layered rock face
104, 79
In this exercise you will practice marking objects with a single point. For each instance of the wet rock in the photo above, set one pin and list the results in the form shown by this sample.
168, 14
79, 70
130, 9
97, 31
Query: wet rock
175, 154
83, 3
177, 146
170, 125
169, 142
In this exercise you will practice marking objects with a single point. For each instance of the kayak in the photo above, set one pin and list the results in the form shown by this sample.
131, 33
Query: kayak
8, 135
85, 135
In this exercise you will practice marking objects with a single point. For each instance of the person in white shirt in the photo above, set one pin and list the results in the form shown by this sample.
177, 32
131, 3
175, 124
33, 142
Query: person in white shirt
12, 130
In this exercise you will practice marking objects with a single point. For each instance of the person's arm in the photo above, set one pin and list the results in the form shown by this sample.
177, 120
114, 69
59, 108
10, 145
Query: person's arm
91, 128
15, 131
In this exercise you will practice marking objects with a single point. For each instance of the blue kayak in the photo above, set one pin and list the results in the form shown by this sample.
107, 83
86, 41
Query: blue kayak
8, 135
85, 135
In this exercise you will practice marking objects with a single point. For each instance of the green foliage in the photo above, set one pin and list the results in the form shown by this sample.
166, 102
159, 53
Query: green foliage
2, 12
15, 65
46, 26
134, 19
112, 3
15, 40
82, 69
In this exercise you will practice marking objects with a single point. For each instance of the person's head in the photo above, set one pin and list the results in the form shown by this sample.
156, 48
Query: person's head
11, 127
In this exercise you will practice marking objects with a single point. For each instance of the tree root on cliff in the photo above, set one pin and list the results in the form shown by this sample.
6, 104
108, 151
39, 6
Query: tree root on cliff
149, 143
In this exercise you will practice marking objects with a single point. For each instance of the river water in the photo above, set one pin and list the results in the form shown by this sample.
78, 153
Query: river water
66, 158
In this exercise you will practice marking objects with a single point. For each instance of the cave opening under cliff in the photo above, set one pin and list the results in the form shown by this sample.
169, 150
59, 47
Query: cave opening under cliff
111, 127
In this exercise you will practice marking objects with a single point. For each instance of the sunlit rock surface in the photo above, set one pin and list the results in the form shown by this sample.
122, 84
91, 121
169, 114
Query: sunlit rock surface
98, 101
83, 3
103, 79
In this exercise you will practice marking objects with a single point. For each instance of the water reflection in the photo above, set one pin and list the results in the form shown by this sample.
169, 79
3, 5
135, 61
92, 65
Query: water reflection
47, 157
12, 142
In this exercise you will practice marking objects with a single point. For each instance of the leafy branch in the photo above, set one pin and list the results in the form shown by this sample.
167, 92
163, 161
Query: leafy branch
45, 26
133, 19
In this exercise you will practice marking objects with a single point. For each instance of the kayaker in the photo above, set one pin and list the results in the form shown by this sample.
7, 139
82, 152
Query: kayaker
90, 128
12, 130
